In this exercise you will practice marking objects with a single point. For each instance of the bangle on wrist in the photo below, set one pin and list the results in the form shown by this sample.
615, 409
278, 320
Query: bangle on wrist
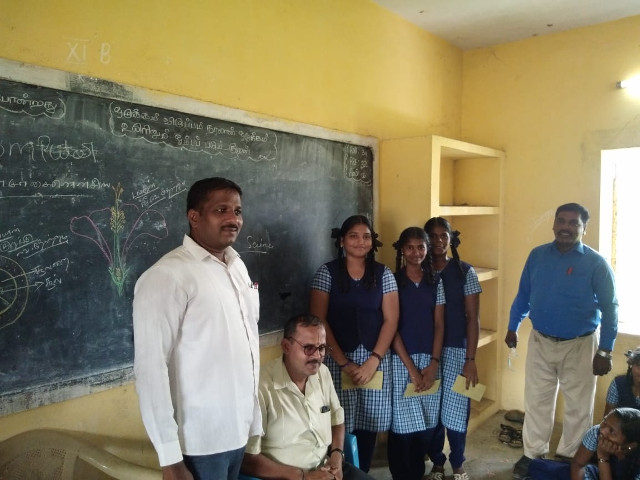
604, 354
344, 364
377, 355
603, 460
470, 359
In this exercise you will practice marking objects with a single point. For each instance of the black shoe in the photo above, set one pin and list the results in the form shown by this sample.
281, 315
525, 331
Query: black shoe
521, 467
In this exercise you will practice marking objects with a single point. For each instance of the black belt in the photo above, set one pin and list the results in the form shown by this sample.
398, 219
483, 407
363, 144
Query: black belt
559, 339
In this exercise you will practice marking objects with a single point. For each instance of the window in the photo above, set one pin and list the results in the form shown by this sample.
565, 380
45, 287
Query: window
620, 227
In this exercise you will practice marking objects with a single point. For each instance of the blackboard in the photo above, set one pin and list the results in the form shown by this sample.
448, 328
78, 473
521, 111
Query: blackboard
93, 191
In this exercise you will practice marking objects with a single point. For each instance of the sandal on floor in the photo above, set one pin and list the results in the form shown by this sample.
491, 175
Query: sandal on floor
460, 476
516, 439
434, 476
506, 433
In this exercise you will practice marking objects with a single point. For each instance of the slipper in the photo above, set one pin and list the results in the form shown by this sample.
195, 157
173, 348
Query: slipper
516, 439
514, 416
506, 433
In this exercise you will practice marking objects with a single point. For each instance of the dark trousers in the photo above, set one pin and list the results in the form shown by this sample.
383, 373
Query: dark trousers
366, 447
349, 472
457, 444
405, 453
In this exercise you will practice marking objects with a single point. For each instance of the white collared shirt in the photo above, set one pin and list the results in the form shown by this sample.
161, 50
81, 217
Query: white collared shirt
197, 354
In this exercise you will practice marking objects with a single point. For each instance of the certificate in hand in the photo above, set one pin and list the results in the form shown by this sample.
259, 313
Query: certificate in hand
474, 393
374, 384
410, 391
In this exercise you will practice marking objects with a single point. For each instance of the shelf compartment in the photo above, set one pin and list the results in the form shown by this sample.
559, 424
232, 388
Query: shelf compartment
486, 273
458, 210
486, 337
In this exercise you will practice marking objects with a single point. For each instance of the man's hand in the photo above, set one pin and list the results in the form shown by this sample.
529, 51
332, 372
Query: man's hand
601, 365
511, 339
177, 471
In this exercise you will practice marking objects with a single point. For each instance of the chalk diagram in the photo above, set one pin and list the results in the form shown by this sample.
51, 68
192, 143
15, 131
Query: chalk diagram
14, 291
112, 222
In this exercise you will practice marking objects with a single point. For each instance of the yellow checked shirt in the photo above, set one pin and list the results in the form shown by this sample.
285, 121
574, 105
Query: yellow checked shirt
296, 427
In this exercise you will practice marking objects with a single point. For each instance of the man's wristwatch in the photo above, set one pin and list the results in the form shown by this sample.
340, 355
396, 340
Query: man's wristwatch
603, 354
336, 450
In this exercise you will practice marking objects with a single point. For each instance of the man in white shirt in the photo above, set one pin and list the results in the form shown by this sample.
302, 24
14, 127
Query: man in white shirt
195, 318
302, 419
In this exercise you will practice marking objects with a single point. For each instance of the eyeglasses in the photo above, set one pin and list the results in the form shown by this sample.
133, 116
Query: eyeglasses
309, 349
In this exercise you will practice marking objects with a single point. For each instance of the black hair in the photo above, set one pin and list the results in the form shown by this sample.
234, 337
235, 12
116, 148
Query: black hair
369, 277
633, 358
199, 191
427, 264
303, 319
630, 426
574, 207
453, 243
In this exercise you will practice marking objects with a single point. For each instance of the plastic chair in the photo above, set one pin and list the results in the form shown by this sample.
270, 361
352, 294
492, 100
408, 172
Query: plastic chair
59, 455
350, 454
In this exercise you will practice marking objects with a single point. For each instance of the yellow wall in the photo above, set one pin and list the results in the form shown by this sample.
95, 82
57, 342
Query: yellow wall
341, 64
552, 103
349, 65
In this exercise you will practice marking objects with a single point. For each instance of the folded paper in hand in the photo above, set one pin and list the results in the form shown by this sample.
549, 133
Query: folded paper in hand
410, 391
474, 393
374, 384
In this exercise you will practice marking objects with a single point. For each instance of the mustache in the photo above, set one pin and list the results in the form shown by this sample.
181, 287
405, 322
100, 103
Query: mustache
230, 225
314, 362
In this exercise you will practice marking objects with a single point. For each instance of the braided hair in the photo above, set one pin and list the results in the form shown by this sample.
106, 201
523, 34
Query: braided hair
454, 239
427, 264
633, 358
369, 277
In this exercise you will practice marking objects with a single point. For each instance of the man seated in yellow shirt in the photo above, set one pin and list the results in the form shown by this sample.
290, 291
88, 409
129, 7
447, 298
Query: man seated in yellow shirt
302, 420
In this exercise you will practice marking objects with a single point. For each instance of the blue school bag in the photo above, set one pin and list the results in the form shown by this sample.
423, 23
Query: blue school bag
541, 469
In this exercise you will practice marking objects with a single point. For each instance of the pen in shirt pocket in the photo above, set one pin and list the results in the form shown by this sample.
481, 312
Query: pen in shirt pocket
254, 285
324, 409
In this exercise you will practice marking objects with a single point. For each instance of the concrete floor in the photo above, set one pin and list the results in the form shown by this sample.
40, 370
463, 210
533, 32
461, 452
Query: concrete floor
487, 457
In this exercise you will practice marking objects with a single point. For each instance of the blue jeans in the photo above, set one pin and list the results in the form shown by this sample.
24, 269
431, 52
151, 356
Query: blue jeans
219, 466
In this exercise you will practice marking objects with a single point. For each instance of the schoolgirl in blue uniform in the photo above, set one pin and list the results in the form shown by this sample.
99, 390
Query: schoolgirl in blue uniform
357, 299
461, 330
415, 356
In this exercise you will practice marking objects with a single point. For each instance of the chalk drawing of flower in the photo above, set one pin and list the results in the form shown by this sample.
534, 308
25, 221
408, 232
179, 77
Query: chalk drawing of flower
113, 222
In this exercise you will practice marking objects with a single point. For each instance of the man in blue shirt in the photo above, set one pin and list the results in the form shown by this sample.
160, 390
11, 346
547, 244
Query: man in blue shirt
567, 289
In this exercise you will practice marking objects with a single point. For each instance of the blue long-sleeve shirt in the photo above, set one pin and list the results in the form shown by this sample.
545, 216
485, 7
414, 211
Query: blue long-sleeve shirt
567, 294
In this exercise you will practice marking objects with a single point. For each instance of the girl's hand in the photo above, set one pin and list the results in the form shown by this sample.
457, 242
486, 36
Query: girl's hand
429, 374
364, 373
606, 448
470, 372
418, 380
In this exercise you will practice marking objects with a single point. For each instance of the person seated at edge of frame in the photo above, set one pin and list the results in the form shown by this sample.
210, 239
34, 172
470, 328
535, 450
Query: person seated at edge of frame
615, 445
624, 390
302, 420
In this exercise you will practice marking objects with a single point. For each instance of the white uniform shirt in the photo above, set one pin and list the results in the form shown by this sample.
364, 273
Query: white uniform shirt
197, 354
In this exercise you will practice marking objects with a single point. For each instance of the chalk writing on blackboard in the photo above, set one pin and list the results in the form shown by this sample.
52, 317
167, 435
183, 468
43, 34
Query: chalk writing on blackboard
115, 231
16, 284
48, 105
14, 291
357, 164
180, 131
